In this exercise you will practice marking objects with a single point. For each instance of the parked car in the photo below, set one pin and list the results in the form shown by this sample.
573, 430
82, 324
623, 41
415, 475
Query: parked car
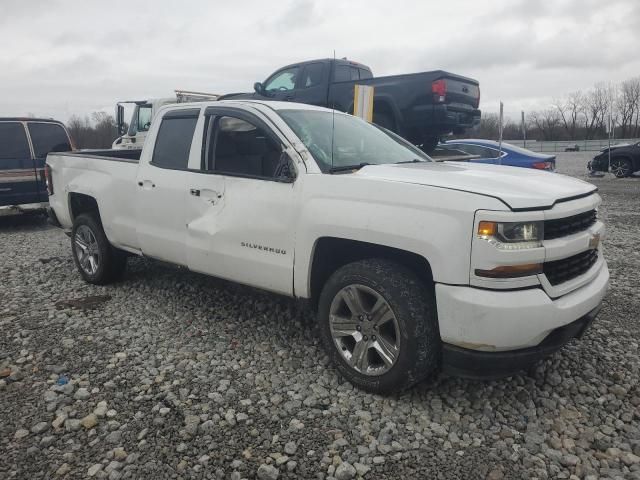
412, 265
625, 160
24, 145
572, 148
488, 151
418, 106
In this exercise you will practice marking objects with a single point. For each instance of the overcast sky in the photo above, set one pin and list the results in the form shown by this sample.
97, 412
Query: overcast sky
64, 57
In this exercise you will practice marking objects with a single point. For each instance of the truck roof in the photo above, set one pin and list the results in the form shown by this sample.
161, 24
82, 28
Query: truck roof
337, 60
29, 119
266, 103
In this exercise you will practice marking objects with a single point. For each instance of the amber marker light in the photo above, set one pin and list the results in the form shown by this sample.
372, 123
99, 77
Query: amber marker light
487, 229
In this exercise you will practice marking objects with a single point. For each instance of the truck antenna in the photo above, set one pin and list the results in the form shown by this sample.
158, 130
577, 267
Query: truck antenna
333, 109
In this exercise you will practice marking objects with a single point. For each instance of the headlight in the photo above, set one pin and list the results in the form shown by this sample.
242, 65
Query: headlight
512, 235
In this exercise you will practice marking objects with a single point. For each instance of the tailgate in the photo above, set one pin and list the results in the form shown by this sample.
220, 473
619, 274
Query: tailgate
462, 92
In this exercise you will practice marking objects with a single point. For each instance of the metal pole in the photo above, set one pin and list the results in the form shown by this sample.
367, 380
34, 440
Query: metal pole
524, 130
500, 134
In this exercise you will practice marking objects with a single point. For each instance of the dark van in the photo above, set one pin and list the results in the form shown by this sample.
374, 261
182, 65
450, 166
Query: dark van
24, 145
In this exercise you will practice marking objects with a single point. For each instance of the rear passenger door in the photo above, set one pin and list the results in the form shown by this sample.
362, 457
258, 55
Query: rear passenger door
46, 137
240, 212
161, 187
18, 180
311, 87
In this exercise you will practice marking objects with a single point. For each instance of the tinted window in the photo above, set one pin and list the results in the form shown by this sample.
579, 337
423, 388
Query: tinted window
13, 144
364, 73
283, 80
144, 118
484, 152
174, 142
241, 148
342, 73
48, 137
312, 76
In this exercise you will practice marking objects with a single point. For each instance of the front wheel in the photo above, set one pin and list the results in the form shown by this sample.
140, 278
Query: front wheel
379, 325
97, 261
621, 167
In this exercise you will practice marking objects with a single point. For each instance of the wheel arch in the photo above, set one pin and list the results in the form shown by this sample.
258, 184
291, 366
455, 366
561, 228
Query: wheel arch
330, 253
80, 203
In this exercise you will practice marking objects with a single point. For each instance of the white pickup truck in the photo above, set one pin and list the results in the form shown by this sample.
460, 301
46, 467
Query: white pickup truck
413, 266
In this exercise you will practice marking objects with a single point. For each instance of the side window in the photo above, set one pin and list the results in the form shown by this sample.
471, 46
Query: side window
312, 76
144, 118
355, 74
241, 148
365, 74
283, 81
48, 137
174, 142
342, 73
484, 152
14, 148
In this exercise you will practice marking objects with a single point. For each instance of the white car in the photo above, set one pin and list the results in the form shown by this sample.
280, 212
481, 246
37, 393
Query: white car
413, 266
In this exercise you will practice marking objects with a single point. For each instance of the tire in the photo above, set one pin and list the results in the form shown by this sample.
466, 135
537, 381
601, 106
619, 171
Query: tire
103, 263
621, 167
429, 144
417, 345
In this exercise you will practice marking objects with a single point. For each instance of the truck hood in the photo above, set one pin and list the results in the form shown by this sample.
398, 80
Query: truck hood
518, 188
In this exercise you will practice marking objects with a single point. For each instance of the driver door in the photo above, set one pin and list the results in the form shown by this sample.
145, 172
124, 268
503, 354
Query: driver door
281, 86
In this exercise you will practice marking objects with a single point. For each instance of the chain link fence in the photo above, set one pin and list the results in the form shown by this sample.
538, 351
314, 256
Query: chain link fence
570, 146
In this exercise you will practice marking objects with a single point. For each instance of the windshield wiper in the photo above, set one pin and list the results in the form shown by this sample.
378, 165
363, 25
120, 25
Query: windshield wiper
344, 168
415, 160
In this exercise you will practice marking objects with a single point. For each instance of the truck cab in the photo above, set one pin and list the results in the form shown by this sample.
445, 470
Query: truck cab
24, 145
133, 135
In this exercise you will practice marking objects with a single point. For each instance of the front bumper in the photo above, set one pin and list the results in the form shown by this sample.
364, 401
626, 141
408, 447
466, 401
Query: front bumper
599, 164
466, 363
507, 324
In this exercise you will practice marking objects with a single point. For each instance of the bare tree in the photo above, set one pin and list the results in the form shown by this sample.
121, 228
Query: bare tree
99, 132
547, 122
570, 112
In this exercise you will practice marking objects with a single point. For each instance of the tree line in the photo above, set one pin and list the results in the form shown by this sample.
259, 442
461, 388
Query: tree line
96, 131
579, 115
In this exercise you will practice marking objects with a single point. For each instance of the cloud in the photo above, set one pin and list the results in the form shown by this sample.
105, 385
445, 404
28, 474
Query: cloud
62, 57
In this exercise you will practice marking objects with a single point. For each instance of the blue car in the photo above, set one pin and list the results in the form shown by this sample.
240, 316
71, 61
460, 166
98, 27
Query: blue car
488, 152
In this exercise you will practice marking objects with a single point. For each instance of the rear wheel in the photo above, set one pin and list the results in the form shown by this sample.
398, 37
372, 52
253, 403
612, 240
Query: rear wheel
429, 144
621, 167
97, 261
379, 325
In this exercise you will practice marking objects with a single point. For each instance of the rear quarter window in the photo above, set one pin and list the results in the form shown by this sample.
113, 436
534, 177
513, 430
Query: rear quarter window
48, 137
14, 147
174, 142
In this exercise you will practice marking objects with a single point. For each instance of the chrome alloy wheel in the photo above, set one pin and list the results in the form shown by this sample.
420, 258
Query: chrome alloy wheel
87, 250
364, 329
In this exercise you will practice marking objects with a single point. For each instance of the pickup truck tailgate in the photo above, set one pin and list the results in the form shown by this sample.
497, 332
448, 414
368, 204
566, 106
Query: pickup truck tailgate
461, 92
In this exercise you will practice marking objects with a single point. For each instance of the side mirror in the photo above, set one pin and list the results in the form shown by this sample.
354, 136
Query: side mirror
120, 120
285, 172
259, 88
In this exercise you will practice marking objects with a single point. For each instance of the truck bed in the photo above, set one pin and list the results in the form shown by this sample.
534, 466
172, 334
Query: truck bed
109, 176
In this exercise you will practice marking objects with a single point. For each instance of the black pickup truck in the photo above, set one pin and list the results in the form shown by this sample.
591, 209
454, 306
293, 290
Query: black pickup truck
418, 106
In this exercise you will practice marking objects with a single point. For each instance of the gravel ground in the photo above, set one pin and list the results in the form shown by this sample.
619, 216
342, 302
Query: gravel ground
170, 374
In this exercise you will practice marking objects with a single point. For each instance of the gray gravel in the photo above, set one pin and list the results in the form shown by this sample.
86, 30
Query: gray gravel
175, 375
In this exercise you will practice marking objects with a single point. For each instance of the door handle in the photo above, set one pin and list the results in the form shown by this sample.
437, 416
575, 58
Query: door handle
146, 183
195, 192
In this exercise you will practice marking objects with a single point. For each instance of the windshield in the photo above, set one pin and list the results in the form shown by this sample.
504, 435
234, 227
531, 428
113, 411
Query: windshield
355, 142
